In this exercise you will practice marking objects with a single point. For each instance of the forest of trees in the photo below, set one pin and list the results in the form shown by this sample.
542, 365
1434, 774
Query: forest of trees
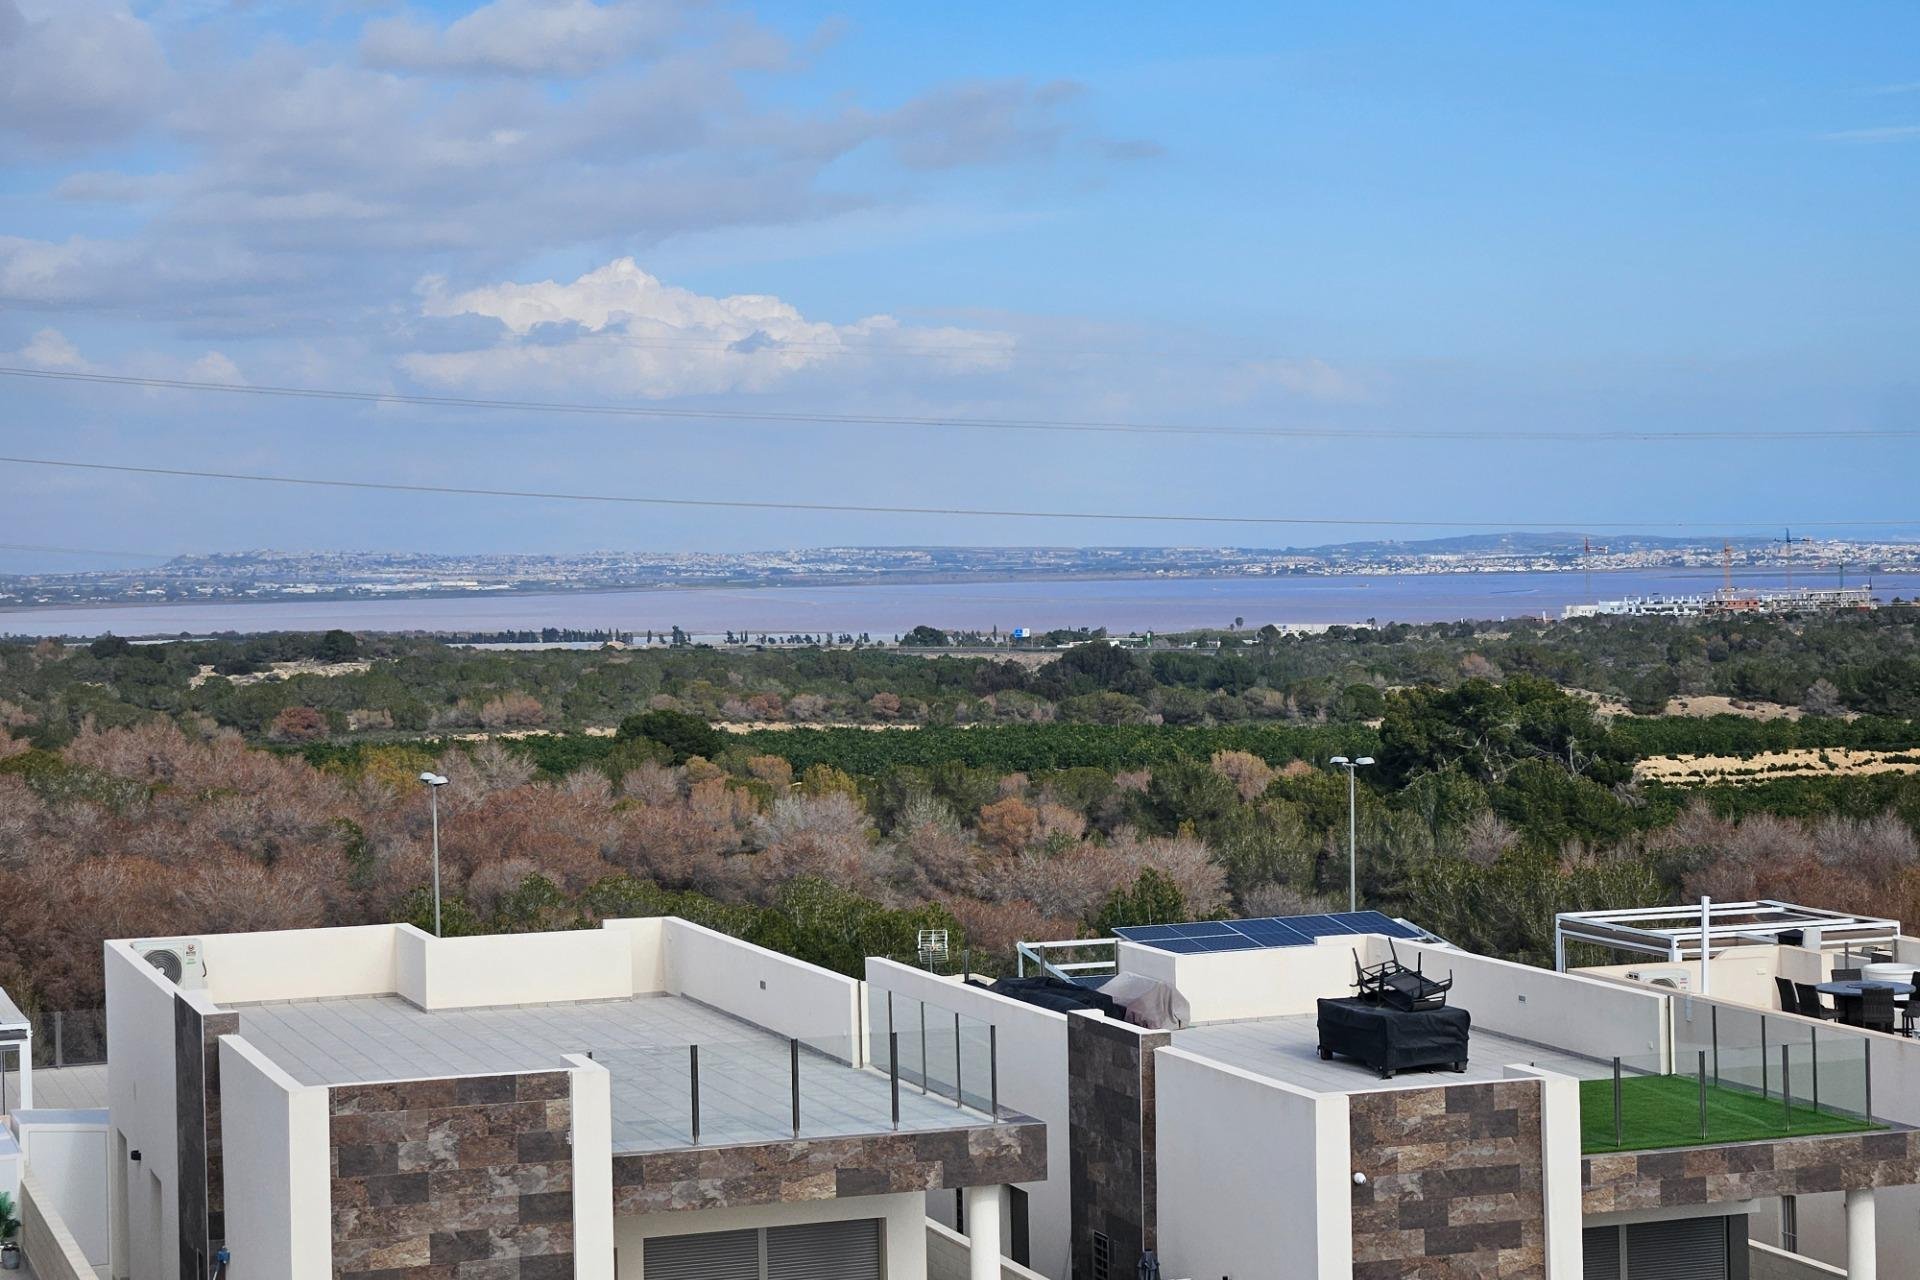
144, 792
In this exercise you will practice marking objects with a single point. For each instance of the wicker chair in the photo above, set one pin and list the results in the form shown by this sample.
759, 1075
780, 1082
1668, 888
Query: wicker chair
1877, 1009
1789, 999
1846, 975
1811, 1005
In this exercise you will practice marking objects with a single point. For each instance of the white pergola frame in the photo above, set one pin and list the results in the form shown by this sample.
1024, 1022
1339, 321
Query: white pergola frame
1677, 933
16, 1034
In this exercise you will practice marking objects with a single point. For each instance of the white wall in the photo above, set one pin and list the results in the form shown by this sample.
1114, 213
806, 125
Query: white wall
1587, 1016
1032, 1048
1768, 1263
591, 1091
1222, 1134
784, 995
140, 1091
66, 1155
49, 1245
648, 935
1224, 986
299, 964
278, 1194
1560, 1169
904, 1227
523, 968
950, 1257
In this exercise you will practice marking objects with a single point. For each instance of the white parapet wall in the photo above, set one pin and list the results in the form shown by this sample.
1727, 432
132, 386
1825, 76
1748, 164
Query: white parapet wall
278, 1196
50, 1248
647, 936
1276, 982
514, 968
1589, 1017
300, 964
1031, 1044
786, 996
1220, 1131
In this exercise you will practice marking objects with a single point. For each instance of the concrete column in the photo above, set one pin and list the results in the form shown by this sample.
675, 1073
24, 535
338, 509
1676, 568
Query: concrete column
1861, 1248
983, 1232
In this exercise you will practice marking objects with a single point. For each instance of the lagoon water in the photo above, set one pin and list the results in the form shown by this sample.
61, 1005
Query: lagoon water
884, 610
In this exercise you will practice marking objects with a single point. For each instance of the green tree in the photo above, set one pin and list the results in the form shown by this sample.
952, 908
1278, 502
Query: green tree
683, 735
1151, 899
925, 636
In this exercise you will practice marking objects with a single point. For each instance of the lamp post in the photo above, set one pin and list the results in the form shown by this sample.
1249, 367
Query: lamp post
1353, 827
434, 782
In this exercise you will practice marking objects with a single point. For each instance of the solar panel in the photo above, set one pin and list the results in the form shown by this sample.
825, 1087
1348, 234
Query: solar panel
1201, 937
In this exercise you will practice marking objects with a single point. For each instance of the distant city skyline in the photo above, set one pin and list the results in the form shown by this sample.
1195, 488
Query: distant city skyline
1650, 218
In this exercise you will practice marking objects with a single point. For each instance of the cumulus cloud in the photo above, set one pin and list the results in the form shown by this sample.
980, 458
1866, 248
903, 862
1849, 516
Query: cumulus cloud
621, 331
558, 38
76, 72
48, 349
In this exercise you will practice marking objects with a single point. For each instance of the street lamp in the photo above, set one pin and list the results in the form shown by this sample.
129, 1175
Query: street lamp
1353, 839
434, 782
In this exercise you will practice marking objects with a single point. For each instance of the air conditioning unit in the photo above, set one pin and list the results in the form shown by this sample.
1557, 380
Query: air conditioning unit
179, 960
1674, 977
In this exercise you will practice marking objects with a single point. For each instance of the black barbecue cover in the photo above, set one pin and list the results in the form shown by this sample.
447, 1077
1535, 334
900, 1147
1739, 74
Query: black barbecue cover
1386, 1038
1050, 992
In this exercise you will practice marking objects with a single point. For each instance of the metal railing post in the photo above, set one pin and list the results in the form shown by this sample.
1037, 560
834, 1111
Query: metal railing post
1715, 1021
1702, 1074
1813, 1059
1763, 1056
59, 1038
1786, 1085
958, 1095
993, 1068
926, 1073
890, 1021
1866, 1048
693, 1065
1619, 1135
793, 1051
893, 1072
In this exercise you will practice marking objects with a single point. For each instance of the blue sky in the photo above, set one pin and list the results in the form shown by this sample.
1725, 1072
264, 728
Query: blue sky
1631, 217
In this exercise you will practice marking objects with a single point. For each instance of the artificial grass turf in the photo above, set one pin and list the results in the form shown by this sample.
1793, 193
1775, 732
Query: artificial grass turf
1664, 1111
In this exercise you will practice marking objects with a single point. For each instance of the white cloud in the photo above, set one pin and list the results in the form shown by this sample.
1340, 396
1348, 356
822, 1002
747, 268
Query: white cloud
1307, 378
619, 330
564, 38
49, 349
76, 72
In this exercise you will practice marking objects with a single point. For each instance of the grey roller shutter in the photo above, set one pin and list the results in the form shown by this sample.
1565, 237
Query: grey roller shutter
1600, 1249
1682, 1249
823, 1251
713, 1255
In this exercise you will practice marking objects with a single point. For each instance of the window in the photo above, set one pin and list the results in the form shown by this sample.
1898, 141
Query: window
1018, 1247
805, 1251
1102, 1256
1676, 1249
1790, 1223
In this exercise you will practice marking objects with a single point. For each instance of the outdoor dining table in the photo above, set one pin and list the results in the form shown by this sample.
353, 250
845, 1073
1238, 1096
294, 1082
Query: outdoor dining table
1846, 995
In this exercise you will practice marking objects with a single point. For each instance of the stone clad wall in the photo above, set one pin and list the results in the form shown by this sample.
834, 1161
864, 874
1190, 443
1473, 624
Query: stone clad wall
196, 1080
469, 1178
1110, 1112
1749, 1171
1455, 1182
783, 1172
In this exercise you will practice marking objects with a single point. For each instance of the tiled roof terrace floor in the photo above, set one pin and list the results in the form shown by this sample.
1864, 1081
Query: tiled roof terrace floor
1287, 1049
745, 1071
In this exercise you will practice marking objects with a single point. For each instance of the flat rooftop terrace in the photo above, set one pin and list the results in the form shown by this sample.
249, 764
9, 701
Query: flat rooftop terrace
745, 1071
1288, 1049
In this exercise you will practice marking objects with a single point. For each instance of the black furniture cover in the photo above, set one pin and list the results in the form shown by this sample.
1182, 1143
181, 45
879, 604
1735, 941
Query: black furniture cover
1050, 992
1389, 1039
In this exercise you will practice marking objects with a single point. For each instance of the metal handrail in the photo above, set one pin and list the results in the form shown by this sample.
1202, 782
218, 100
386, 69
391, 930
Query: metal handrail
1036, 954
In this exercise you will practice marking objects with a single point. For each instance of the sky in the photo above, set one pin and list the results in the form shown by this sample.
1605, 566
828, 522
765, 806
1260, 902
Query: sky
1394, 217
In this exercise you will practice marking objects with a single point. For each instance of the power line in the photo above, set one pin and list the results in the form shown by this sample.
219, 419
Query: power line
541, 495
971, 423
